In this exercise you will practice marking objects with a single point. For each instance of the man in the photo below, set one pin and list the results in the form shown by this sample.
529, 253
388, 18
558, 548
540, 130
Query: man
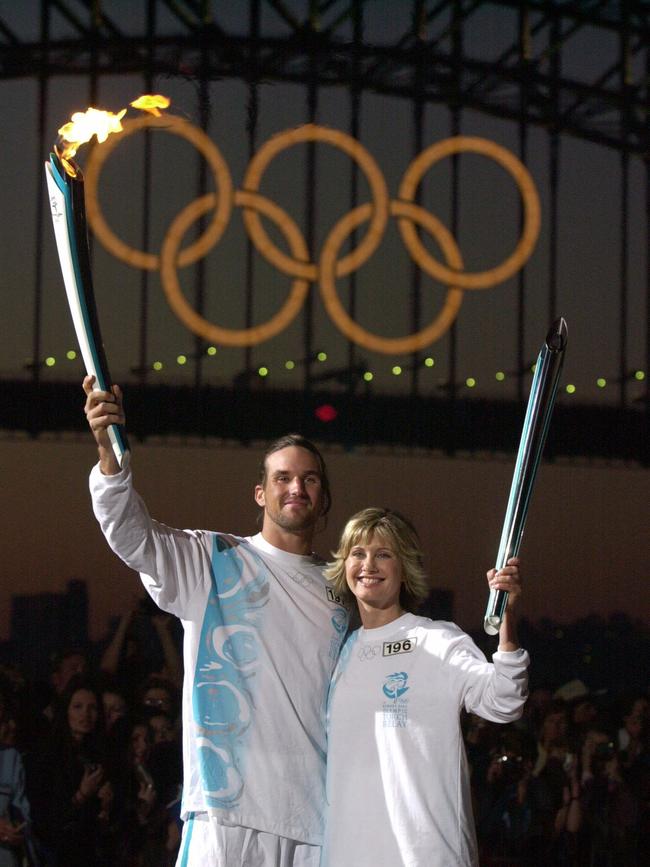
261, 636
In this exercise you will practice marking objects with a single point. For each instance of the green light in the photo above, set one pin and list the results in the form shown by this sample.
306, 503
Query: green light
639, 375
71, 355
397, 370
429, 362
181, 359
601, 382
211, 350
263, 371
533, 368
50, 361
499, 376
470, 382
368, 376
322, 356
157, 365
570, 389
290, 364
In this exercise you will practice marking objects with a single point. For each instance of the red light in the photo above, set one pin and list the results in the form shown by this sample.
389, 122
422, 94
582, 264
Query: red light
326, 412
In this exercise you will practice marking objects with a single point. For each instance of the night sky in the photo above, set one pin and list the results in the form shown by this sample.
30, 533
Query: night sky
588, 271
588, 257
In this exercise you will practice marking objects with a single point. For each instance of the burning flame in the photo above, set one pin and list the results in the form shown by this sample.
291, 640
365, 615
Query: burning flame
94, 122
152, 103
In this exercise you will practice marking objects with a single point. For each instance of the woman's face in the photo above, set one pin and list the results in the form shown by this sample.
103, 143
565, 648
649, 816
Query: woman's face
82, 713
162, 729
140, 743
373, 573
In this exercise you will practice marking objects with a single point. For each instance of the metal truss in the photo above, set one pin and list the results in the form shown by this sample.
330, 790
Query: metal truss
452, 427
428, 58
432, 53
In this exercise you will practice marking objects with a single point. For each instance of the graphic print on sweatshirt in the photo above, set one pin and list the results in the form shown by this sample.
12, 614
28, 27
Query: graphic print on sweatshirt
395, 711
228, 657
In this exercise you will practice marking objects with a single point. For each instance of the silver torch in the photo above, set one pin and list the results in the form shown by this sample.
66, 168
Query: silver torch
533, 436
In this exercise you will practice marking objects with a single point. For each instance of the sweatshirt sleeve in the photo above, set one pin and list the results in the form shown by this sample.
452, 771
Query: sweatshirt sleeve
496, 691
500, 692
172, 563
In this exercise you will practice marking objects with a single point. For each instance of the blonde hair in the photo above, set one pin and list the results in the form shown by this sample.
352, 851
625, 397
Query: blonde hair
400, 534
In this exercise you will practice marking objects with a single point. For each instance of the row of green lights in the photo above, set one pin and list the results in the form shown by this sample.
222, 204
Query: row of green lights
470, 382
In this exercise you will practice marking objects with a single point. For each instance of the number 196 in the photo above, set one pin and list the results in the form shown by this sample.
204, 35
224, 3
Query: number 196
393, 647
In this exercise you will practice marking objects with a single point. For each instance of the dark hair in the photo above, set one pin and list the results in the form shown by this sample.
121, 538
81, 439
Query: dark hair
60, 727
294, 439
156, 681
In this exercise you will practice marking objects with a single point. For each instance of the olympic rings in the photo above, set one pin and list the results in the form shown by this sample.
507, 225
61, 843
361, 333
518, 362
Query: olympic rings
351, 329
197, 324
297, 264
532, 211
350, 146
177, 126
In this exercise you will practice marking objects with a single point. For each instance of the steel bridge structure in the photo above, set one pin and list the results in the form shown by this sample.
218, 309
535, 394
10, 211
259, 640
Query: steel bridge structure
430, 59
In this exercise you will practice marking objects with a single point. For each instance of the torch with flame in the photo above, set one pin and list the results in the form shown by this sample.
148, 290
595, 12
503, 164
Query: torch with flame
67, 202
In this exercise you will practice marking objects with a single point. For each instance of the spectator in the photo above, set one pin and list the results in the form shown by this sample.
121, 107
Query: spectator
114, 704
67, 664
160, 695
73, 797
610, 808
143, 644
553, 792
15, 813
152, 834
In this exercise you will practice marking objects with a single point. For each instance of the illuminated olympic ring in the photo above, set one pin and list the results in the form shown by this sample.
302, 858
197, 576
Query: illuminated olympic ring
351, 329
180, 127
532, 211
297, 264
350, 146
196, 323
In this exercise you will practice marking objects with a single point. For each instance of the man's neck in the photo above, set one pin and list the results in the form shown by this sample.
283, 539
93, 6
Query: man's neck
292, 543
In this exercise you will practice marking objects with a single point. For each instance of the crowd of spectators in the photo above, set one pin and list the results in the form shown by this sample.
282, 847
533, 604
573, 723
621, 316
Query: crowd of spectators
90, 768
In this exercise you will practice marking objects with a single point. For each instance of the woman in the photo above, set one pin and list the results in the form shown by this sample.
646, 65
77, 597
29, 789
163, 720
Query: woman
397, 778
73, 799
150, 833
15, 839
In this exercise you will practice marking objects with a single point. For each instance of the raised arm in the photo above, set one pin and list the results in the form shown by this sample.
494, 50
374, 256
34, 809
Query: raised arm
171, 562
496, 691
103, 408
509, 579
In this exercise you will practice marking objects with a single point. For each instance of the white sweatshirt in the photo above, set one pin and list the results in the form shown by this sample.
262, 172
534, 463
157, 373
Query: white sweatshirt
262, 633
397, 779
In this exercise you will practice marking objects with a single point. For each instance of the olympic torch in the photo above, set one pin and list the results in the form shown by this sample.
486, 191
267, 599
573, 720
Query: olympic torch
536, 422
67, 202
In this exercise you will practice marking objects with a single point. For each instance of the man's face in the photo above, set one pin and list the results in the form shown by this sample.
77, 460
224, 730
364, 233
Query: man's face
157, 697
292, 495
